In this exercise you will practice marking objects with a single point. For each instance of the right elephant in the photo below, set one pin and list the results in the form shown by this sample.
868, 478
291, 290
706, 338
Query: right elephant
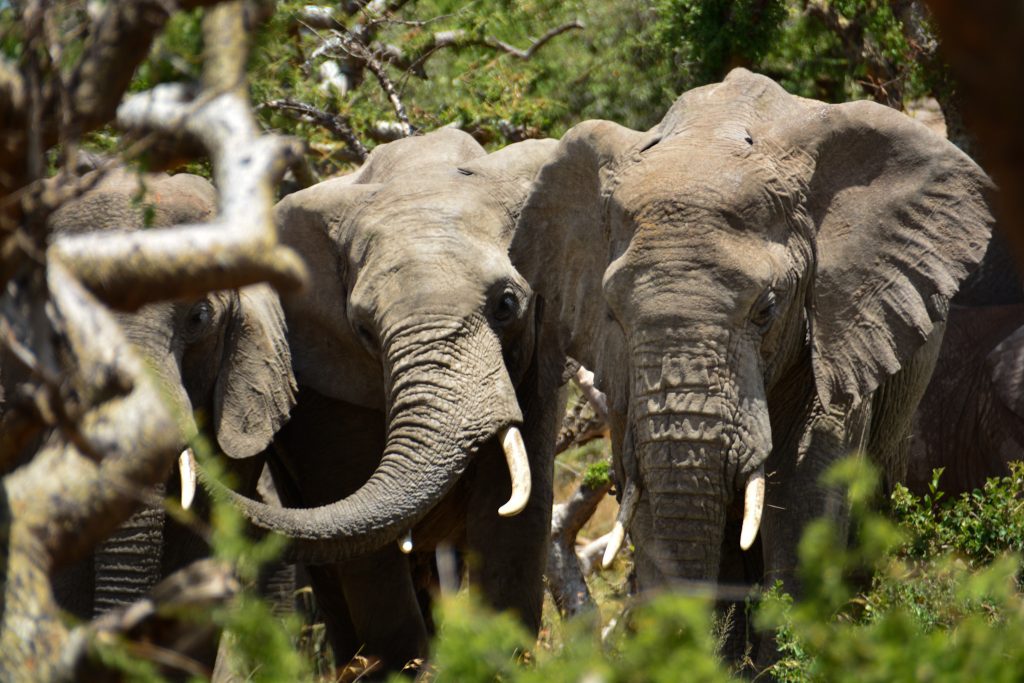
971, 419
759, 283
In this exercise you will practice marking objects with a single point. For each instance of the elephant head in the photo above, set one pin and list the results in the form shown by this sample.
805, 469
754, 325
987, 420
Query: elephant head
752, 247
413, 309
223, 356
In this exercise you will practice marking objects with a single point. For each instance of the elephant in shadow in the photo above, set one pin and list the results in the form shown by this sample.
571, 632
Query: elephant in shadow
413, 350
225, 363
971, 419
759, 283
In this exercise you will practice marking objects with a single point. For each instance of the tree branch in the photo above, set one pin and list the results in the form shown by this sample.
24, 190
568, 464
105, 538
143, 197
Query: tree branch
337, 125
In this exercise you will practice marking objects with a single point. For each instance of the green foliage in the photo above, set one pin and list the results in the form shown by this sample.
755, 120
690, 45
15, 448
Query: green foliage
598, 474
658, 641
978, 526
706, 38
941, 604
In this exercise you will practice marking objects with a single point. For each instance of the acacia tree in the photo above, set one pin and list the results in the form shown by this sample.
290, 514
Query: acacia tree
111, 434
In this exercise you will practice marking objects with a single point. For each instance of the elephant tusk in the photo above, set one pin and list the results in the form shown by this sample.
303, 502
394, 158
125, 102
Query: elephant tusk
625, 517
187, 472
518, 469
405, 545
753, 508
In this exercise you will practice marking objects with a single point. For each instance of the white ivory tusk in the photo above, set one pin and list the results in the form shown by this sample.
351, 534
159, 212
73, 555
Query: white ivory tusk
187, 472
518, 469
405, 545
753, 508
615, 538
617, 535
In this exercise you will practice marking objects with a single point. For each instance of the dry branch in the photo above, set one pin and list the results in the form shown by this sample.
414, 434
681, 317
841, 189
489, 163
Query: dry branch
565, 578
116, 436
337, 125
238, 248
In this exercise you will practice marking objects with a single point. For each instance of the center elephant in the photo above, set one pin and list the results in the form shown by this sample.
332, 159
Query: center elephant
413, 350
759, 283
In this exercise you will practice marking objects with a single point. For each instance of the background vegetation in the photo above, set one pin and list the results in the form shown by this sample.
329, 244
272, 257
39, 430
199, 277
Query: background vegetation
929, 591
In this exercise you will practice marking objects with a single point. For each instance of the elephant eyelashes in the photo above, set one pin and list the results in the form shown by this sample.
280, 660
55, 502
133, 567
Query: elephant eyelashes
506, 309
764, 310
198, 320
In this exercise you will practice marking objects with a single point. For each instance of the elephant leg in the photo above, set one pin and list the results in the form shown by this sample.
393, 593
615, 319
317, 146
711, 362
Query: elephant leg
383, 607
738, 572
795, 495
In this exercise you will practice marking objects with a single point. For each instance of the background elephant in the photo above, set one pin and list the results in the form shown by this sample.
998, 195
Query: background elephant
225, 359
758, 283
409, 347
971, 419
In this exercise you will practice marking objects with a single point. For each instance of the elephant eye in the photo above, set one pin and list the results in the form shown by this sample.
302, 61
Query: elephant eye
506, 308
198, 320
764, 310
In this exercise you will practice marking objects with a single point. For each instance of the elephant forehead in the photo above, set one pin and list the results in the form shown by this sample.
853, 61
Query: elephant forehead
716, 175
437, 203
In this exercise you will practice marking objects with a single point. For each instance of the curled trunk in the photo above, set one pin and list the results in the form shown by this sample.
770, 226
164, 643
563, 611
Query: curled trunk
449, 392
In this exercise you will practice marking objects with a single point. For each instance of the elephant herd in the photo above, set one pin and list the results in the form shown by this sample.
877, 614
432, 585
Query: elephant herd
760, 284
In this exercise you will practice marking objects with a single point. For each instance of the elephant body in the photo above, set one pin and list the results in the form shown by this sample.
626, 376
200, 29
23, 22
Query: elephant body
971, 419
413, 348
759, 284
224, 361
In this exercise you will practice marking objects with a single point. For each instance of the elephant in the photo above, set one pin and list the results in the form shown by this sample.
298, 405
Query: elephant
759, 283
970, 421
413, 351
223, 357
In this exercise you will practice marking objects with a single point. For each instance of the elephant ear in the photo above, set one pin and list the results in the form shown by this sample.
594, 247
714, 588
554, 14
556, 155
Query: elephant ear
1005, 365
255, 389
564, 217
900, 215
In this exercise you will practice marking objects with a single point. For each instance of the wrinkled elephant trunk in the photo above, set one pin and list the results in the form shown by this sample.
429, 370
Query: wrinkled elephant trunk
449, 393
695, 447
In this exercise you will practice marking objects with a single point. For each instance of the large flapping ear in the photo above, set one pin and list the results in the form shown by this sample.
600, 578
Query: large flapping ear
509, 174
559, 244
437, 149
327, 355
255, 388
900, 217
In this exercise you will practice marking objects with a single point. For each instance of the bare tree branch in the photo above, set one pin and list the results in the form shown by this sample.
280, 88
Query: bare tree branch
337, 125
564, 576
459, 39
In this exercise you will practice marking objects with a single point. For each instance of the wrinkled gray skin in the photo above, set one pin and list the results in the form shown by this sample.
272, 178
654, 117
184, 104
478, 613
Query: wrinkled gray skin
758, 280
224, 356
971, 419
409, 346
